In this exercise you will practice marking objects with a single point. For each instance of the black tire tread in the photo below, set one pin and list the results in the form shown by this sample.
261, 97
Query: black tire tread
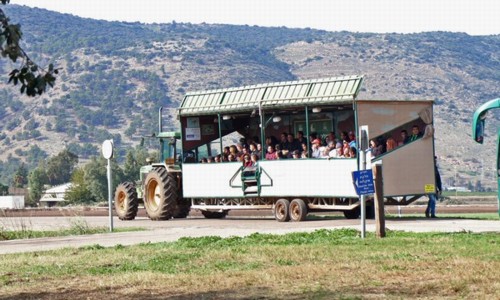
132, 202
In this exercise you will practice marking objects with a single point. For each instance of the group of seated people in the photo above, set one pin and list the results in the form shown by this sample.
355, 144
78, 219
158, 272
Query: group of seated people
289, 147
380, 146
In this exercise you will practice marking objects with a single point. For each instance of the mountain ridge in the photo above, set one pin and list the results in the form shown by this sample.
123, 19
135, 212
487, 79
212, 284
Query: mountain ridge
115, 75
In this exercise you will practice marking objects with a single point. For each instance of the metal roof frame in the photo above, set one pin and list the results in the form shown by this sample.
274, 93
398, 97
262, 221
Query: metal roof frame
333, 90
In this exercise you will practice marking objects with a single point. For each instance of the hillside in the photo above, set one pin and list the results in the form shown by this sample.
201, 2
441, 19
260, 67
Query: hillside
115, 76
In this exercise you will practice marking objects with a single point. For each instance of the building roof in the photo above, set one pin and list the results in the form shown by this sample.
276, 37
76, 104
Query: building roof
333, 90
56, 193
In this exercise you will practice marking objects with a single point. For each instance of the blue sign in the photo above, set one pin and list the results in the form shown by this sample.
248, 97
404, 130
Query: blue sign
363, 182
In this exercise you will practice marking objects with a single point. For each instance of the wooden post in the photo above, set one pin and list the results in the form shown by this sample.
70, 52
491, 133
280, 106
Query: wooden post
379, 201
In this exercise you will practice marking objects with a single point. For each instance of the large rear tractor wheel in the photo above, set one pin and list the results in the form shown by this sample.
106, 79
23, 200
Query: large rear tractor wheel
298, 210
281, 210
160, 194
126, 202
214, 214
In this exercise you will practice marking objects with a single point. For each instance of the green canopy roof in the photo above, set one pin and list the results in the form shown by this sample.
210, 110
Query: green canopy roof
334, 90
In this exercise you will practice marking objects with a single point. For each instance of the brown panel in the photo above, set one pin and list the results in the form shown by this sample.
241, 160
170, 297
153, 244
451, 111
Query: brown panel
409, 168
384, 116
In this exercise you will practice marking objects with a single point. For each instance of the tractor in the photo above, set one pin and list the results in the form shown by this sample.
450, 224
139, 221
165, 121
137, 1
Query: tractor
159, 186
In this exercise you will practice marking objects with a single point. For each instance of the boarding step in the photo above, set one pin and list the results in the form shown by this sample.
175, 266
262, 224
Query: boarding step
251, 190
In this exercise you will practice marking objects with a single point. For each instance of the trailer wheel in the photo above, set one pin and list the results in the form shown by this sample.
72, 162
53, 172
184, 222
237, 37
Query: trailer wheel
160, 194
214, 214
298, 210
352, 214
126, 202
281, 210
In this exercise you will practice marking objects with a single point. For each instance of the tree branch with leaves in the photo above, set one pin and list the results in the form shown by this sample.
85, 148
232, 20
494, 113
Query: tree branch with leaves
34, 80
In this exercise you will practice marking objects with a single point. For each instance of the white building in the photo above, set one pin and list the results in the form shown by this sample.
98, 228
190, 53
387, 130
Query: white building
11, 202
54, 195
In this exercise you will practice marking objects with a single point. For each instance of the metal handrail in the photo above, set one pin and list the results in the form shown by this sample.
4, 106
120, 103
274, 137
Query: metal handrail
234, 177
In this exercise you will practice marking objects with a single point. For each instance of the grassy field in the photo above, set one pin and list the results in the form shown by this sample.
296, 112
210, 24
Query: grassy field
321, 265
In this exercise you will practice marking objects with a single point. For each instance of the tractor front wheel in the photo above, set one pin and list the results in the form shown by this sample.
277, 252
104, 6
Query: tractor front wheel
160, 194
126, 202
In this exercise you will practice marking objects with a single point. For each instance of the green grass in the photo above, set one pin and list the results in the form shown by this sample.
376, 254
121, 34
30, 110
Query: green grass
77, 227
324, 264
472, 216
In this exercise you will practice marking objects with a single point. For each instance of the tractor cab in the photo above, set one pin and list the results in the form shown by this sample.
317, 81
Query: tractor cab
168, 149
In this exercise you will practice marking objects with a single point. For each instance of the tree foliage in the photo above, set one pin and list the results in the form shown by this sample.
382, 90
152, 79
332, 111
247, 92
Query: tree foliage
61, 166
32, 78
79, 191
36, 181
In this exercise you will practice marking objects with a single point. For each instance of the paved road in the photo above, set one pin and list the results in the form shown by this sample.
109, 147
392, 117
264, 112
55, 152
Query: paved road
166, 231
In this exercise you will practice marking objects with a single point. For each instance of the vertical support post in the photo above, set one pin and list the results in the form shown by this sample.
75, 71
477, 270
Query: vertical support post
307, 133
220, 136
379, 201
110, 196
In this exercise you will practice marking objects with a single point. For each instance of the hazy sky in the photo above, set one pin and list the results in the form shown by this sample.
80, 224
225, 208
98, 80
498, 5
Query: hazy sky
475, 17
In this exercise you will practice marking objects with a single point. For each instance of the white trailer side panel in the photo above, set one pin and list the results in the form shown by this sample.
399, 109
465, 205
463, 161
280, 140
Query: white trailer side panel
290, 178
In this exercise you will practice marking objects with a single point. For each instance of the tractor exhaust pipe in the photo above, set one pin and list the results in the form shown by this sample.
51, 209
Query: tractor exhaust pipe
160, 123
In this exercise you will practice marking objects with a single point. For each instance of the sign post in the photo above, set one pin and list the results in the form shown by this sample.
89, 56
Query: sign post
363, 146
107, 152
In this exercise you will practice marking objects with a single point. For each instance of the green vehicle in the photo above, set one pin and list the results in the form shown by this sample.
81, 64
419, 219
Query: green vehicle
478, 123
159, 187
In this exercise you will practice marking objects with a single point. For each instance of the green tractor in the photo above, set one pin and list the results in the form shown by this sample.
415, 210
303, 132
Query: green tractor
159, 186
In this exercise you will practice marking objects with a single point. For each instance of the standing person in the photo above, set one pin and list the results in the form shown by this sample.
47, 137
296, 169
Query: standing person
430, 211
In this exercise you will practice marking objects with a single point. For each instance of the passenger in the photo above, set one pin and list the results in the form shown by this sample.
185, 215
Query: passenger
284, 141
352, 139
375, 148
210, 159
240, 147
316, 152
390, 144
296, 154
253, 149
217, 158
203, 160
415, 133
300, 137
259, 149
271, 154
293, 144
254, 158
304, 147
332, 138
352, 152
345, 149
344, 137
225, 153
231, 158
279, 153
404, 138
304, 153
325, 150
337, 151
247, 161
312, 137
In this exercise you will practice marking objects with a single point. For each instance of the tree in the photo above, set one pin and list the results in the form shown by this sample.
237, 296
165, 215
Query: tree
36, 181
134, 160
20, 177
33, 79
96, 177
61, 166
79, 191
